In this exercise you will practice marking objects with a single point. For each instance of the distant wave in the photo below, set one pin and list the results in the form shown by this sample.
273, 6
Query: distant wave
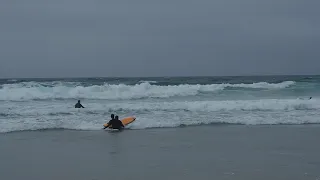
12, 80
58, 90
150, 82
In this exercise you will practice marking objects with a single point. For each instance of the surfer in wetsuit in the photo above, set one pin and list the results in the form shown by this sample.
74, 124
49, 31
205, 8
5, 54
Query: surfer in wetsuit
78, 105
115, 123
112, 118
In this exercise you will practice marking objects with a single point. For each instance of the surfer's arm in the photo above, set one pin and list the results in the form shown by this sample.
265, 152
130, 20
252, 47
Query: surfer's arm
108, 124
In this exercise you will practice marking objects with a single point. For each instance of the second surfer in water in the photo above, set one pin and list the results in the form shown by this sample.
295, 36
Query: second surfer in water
78, 105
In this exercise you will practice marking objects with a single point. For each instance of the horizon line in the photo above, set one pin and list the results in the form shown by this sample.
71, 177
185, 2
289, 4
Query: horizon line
182, 76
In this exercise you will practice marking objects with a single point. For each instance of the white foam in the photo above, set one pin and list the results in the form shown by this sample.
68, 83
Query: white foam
43, 115
265, 85
143, 81
34, 90
216, 106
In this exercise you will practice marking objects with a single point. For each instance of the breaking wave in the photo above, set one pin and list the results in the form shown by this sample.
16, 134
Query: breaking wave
58, 90
165, 114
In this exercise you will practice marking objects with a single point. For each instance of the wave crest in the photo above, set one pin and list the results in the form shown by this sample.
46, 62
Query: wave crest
37, 91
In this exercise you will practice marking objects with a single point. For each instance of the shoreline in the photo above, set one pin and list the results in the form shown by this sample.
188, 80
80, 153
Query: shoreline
178, 127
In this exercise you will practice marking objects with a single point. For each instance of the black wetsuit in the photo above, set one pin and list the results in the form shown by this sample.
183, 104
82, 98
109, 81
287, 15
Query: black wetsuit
116, 124
78, 105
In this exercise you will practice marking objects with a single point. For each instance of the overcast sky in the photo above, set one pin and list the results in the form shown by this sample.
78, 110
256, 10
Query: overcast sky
72, 38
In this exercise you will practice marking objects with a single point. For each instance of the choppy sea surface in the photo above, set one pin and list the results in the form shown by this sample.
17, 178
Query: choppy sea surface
36, 104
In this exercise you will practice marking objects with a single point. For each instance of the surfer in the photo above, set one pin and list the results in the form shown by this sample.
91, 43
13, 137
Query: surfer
115, 123
112, 118
78, 105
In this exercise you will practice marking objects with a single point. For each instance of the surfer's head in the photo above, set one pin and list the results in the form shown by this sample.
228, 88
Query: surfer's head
117, 118
112, 116
78, 101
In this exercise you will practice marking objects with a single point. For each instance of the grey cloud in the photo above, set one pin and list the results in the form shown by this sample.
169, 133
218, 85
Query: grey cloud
158, 38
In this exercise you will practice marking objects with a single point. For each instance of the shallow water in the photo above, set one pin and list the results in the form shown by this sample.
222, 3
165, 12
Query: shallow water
199, 152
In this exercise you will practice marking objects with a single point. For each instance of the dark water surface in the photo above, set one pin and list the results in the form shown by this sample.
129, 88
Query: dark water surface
199, 152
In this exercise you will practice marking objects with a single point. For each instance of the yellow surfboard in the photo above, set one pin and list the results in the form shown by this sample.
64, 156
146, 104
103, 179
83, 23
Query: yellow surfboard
124, 121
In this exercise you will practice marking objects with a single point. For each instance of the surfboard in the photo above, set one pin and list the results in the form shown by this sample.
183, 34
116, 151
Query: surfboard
125, 121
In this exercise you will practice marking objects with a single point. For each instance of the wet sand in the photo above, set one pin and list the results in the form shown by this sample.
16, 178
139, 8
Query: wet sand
200, 152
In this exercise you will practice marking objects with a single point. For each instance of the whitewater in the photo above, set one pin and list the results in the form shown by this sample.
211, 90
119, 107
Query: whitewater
55, 90
157, 103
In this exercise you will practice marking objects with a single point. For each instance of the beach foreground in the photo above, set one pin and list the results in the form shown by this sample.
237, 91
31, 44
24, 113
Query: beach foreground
199, 152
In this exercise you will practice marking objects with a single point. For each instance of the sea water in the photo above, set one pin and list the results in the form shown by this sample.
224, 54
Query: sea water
36, 104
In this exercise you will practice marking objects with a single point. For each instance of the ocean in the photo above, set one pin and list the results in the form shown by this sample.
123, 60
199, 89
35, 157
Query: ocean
187, 128
37, 104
